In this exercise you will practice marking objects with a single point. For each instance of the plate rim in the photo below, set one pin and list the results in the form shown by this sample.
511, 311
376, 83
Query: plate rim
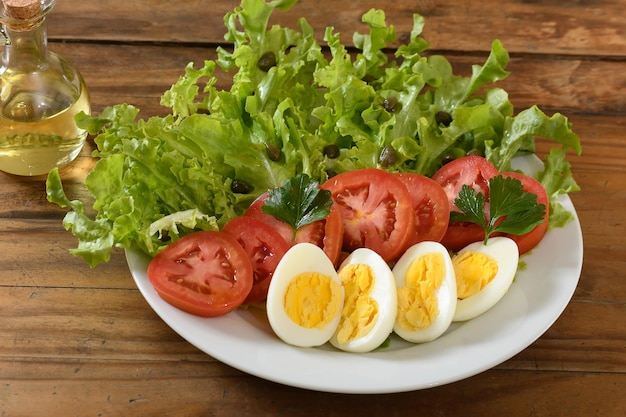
302, 367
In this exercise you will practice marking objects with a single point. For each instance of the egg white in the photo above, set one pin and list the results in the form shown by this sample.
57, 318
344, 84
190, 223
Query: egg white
301, 258
383, 293
445, 293
506, 254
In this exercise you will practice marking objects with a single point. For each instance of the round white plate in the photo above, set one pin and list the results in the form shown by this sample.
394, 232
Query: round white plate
244, 340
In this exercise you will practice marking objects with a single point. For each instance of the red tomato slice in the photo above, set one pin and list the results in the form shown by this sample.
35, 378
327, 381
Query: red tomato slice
430, 206
529, 240
474, 171
327, 233
376, 209
204, 273
265, 248
461, 234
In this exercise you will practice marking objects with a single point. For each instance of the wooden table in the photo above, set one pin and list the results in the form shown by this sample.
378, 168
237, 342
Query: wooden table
76, 341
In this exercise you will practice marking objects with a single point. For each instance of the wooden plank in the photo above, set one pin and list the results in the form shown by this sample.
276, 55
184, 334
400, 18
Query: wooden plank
37, 258
81, 324
146, 389
109, 319
141, 74
570, 28
81, 341
35, 261
568, 343
601, 138
599, 171
45, 261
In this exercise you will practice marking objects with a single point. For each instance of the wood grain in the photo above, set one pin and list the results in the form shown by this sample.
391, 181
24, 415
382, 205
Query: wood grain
590, 28
141, 74
81, 341
206, 391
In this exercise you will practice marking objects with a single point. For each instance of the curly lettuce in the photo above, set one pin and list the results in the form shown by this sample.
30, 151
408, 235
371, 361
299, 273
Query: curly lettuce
290, 98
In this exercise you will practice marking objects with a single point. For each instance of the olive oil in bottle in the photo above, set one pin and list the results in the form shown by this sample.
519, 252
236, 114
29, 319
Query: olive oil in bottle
40, 94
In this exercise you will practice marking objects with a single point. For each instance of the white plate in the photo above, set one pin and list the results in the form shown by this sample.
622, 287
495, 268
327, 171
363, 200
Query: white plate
244, 340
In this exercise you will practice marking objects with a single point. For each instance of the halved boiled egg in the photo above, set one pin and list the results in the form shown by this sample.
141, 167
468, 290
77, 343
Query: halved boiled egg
370, 302
484, 273
426, 292
305, 297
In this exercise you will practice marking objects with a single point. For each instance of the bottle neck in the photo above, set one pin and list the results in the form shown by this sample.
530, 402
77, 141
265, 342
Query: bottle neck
25, 46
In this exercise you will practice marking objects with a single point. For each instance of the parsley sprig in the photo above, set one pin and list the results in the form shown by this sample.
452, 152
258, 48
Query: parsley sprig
511, 209
298, 202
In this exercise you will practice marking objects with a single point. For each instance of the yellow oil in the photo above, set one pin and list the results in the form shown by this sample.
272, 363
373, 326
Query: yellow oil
37, 127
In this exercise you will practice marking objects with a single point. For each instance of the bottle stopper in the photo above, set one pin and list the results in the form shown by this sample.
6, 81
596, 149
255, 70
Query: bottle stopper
22, 9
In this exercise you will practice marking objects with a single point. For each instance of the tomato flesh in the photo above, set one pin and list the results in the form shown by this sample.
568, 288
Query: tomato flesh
475, 172
430, 205
529, 240
376, 209
326, 233
265, 248
204, 273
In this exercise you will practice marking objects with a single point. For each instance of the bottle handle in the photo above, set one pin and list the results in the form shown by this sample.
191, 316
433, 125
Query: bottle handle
3, 34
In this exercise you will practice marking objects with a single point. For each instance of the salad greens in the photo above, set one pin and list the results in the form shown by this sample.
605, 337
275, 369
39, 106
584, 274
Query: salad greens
290, 97
298, 202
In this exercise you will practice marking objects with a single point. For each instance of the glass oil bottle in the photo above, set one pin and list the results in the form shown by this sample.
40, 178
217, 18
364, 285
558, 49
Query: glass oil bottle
40, 93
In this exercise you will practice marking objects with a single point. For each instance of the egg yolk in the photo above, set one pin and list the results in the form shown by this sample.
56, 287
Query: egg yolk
359, 309
417, 300
474, 271
312, 300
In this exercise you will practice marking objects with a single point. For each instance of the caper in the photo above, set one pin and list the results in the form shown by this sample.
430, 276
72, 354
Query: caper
165, 236
267, 61
331, 151
447, 158
239, 187
369, 78
273, 152
452, 154
388, 156
391, 104
444, 118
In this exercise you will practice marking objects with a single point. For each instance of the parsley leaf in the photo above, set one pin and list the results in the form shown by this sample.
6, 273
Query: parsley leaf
298, 202
511, 209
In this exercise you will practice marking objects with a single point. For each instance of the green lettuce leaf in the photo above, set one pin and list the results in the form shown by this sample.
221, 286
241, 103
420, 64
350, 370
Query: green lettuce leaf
557, 179
95, 237
520, 131
290, 97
